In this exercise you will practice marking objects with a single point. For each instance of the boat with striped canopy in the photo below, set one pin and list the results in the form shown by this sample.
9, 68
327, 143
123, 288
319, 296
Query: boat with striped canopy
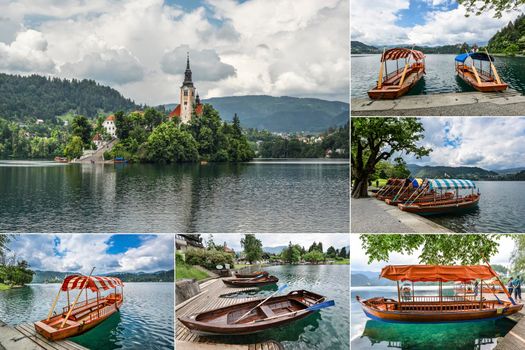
397, 83
482, 78
439, 204
412, 308
79, 317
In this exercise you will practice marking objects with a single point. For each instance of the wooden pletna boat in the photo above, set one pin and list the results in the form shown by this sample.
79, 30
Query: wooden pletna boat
397, 83
438, 309
395, 187
251, 275
260, 280
439, 205
61, 159
80, 317
254, 316
484, 79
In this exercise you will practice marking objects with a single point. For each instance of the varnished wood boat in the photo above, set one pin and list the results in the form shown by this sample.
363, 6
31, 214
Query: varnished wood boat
79, 317
61, 160
251, 282
440, 308
275, 312
484, 80
251, 275
395, 84
425, 198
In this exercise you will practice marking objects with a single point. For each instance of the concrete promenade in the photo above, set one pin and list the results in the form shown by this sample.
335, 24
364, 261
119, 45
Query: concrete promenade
507, 103
370, 215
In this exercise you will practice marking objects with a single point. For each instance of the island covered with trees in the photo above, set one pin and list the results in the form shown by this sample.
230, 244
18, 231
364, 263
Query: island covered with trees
14, 272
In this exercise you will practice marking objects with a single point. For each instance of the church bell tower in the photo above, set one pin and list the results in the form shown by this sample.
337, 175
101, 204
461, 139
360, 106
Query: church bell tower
187, 94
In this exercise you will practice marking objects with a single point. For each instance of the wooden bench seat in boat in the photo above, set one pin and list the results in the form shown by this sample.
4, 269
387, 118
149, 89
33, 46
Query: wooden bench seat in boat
267, 311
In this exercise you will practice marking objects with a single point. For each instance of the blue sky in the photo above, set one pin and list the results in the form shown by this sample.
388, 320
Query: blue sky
250, 47
108, 253
421, 22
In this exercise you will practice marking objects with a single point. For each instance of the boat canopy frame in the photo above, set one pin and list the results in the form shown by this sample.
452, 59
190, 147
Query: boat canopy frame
442, 184
396, 54
481, 57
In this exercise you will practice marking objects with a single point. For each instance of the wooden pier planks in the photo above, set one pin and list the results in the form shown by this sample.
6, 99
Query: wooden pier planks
24, 336
207, 300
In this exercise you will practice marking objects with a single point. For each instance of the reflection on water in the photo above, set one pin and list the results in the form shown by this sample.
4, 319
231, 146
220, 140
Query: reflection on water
327, 329
262, 196
440, 77
145, 319
372, 334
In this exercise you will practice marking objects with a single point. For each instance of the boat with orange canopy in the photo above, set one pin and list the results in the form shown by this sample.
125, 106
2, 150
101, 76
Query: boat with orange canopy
413, 308
484, 80
397, 83
78, 317
440, 204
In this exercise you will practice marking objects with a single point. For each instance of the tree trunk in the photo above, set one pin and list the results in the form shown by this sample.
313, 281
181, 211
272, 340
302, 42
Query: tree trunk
360, 189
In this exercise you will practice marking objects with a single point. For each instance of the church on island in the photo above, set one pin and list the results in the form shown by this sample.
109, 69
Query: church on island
189, 98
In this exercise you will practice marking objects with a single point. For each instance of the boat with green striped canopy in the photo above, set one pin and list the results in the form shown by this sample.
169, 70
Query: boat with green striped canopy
443, 204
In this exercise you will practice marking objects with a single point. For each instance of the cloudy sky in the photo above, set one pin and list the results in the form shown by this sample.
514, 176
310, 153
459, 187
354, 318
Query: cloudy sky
421, 22
233, 240
489, 143
237, 47
82, 252
360, 260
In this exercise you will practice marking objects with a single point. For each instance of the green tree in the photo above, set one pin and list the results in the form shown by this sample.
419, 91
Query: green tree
168, 143
252, 248
518, 254
343, 253
376, 139
435, 249
498, 6
330, 252
124, 125
500, 269
82, 128
291, 254
314, 257
74, 149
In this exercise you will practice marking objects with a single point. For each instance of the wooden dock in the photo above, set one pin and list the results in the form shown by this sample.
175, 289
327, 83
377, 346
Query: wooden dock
24, 337
210, 298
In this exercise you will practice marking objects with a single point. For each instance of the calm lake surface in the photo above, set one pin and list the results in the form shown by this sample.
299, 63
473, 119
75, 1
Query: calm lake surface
369, 334
440, 77
327, 329
260, 196
145, 319
500, 210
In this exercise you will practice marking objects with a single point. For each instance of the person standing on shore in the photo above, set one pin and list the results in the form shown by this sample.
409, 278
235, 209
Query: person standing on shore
476, 285
517, 288
510, 287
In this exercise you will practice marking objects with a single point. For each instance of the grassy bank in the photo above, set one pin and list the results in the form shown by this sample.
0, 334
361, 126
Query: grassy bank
187, 271
4, 286
342, 262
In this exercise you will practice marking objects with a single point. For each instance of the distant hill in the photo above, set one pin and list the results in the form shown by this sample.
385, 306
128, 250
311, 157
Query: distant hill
510, 171
57, 277
358, 47
469, 173
281, 114
36, 96
367, 278
510, 39
274, 250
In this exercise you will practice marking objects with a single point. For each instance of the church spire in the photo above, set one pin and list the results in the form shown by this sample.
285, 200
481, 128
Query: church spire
187, 73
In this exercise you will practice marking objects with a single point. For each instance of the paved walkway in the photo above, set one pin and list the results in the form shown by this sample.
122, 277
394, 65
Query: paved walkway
508, 103
370, 215
24, 337
98, 155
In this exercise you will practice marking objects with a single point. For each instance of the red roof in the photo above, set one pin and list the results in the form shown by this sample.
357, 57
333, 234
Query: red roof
97, 137
176, 111
111, 118
94, 282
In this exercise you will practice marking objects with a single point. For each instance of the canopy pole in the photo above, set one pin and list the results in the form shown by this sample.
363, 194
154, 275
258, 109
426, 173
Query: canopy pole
500, 283
380, 79
481, 295
98, 306
413, 292
76, 299
403, 75
399, 297
441, 295
54, 305
493, 67
68, 302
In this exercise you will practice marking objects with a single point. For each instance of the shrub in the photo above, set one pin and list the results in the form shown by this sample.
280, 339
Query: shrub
208, 258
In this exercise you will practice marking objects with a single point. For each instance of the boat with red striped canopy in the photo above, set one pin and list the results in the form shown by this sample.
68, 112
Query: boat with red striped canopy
397, 83
79, 317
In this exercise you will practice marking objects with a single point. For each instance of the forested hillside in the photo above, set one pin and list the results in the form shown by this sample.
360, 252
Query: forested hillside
41, 97
510, 40
463, 172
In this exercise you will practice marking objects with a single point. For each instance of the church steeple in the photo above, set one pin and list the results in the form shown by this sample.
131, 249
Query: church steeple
187, 73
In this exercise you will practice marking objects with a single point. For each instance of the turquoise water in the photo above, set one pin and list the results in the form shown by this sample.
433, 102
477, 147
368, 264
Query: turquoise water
327, 329
145, 319
440, 75
370, 334
273, 196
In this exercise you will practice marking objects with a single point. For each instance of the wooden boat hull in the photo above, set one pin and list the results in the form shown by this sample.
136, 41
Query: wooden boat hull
247, 282
485, 86
221, 321
250, 275
437, 316
439, 208
390, 92
427, 198
51, 330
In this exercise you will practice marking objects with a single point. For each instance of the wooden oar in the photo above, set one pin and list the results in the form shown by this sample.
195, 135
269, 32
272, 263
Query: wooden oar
311, 308
262, 302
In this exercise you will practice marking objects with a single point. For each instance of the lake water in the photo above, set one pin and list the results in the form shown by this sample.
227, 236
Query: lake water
440, 77
145, 319
369, 334
327, 329
261, 196
500, 210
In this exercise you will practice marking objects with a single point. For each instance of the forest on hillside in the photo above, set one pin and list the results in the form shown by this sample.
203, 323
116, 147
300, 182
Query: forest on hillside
36, 96
510, 40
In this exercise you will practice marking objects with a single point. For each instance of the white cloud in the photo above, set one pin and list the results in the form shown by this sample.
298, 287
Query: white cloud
28, 53
82, 252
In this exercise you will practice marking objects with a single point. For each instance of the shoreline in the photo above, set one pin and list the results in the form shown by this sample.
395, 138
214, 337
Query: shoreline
369, 215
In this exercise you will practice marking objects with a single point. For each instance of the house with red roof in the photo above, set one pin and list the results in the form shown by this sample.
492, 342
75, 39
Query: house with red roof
109, 126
